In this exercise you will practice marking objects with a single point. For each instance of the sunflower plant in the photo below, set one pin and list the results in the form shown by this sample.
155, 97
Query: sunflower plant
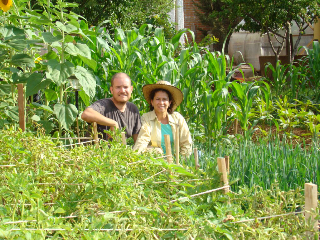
44, 52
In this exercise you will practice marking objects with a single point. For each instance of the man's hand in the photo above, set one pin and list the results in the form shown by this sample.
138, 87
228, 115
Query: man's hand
114, 126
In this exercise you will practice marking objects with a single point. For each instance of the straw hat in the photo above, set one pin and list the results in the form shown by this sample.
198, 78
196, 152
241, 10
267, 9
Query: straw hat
177, 95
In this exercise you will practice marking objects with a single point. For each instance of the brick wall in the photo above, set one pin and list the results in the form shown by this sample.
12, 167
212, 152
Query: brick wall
191, 20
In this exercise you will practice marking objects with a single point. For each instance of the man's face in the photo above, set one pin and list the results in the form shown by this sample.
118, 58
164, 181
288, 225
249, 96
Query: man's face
121, 89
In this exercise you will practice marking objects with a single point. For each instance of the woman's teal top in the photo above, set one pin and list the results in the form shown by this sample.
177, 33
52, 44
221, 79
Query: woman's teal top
166, 129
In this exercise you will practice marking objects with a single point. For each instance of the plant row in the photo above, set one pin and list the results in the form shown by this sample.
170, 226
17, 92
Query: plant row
109, 191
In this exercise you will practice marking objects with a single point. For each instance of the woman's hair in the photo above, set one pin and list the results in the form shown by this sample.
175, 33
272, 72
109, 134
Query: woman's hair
153, 93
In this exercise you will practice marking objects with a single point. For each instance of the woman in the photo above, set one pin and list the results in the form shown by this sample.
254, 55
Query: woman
163, 99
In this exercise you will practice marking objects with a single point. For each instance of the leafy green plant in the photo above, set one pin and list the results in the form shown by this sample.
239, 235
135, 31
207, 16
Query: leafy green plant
110, 191
280, 76
313, 72
245, 94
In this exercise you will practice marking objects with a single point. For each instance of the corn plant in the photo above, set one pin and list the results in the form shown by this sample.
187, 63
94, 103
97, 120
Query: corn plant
279, 76
244, 94
313, 72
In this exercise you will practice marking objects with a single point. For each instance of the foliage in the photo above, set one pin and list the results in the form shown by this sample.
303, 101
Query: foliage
266, 17
70, 49
208, 12
122, 13
312, 68
51, 73
89, 192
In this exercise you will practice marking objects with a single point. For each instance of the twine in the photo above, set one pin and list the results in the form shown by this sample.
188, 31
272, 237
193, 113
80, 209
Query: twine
198, 194
74, 144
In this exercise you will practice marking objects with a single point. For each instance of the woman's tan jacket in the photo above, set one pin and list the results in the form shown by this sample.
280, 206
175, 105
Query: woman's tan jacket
150, 133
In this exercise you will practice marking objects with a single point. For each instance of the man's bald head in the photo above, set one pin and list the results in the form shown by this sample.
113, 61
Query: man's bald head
120, 75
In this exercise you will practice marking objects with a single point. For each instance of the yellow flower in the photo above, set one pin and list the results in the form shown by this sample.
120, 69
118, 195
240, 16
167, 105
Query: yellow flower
38, 59
5, 5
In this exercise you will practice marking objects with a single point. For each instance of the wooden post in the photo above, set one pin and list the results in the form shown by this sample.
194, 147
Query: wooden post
177, 143
227, 164
223, 171
311, 202
235, 126
22, 123
196, 158
95, 133
123, 137
168, 148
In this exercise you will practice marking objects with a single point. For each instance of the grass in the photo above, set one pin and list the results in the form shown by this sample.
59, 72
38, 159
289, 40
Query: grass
266, 161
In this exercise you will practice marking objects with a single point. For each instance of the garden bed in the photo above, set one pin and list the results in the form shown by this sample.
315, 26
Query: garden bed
89, 192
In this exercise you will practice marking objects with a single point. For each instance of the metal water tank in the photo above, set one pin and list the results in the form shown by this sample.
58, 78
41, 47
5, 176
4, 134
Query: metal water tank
245, 47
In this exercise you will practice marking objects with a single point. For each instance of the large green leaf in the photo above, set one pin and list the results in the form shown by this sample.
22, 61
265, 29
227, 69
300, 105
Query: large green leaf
48, 126
66, 114
3, 122
90, 62
3, 55
3, 105
78, 49
51, 55
66, 28
51, 95
25, 77
59, 72
86, 80
43, 107
49, 38
40, 20
11, 31
35, 83
85, 98
5, 89
103, 43
19, 45
22, 59
13, 113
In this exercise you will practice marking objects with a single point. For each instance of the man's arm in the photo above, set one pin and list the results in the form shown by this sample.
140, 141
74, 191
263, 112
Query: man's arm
90, 115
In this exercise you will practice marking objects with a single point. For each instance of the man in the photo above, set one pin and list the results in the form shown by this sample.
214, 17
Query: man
117, 111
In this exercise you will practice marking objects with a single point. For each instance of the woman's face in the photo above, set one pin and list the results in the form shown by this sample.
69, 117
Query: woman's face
160, 102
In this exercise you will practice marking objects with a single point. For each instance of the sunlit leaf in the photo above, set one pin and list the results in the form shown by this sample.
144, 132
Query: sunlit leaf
59, 72
66, 114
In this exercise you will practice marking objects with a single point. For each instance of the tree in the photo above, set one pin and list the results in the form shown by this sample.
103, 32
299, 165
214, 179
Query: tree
124, 14
210, 13
269, 17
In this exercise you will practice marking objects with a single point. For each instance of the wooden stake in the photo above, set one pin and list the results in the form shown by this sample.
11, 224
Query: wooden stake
168, 148
95, 133
227, 164
123, 137
235, 126
311, 202
196, 158
177, 143
22, 124
223, 171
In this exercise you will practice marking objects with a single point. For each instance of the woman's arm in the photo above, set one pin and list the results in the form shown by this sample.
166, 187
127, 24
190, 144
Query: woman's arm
185, 141
143, 139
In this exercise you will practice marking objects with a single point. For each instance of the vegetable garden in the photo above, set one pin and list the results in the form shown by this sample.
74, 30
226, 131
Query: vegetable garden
53, 187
